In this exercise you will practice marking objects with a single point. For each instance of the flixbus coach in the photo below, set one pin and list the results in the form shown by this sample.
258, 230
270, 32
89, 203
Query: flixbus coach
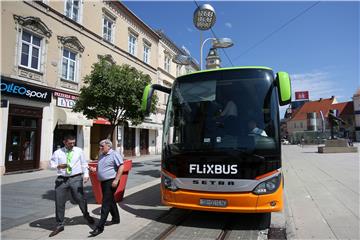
212, 158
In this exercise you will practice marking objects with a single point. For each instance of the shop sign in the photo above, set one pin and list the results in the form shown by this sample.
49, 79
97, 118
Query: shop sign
65, 100
22, 90
303, 95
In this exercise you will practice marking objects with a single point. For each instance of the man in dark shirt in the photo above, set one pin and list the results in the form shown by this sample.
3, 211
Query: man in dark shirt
109, 171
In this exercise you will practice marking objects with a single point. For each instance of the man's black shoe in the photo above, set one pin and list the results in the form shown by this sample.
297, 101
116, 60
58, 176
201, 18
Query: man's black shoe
115, 221
89, 219
112, 222
96, 232
56, 231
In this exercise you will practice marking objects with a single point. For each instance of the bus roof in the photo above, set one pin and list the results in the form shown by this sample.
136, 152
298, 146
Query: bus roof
228, 68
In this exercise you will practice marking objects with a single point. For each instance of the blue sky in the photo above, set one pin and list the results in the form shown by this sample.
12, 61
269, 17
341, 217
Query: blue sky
319, 49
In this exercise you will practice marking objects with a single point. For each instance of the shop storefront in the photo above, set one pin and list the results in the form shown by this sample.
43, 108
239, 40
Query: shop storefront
142, 139
22, 124
99, 131
68, 122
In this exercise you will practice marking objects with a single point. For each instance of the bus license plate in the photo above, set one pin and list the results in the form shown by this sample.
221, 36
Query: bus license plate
213, 202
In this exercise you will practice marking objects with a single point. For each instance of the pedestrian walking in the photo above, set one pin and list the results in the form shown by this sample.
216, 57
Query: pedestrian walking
302, 142
72, 171
109, 170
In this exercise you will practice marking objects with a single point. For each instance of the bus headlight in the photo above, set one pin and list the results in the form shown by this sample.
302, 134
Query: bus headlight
168, 182
268, 186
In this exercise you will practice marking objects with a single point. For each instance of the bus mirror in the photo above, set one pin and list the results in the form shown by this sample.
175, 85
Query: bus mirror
147, 96
146, 99
284, 88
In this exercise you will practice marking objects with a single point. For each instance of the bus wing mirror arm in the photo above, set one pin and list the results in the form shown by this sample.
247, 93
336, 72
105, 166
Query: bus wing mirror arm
147, 96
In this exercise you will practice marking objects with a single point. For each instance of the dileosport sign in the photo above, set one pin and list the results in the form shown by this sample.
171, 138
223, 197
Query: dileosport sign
22, 90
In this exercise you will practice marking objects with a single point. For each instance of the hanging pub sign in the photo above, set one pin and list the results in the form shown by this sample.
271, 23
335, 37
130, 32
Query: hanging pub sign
23, 90
303, 95
65, 100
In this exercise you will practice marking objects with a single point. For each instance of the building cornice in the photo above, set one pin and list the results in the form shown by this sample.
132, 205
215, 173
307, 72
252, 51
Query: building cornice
135, 18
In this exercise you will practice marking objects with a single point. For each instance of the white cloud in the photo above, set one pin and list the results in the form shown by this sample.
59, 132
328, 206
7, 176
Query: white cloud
189, 29
318, 83
229, 25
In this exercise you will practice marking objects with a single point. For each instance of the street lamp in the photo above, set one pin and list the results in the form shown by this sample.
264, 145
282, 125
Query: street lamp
182, 59
217, 43
204, 17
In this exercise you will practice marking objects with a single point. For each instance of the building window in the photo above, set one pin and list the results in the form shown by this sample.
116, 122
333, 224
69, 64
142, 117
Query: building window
301, 125
178, 70
146, 54
68, 65
167, 63
72, 9
30, 50
108, 26
132, 44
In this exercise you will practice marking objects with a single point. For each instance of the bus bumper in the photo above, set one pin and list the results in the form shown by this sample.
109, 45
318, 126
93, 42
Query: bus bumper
236, 202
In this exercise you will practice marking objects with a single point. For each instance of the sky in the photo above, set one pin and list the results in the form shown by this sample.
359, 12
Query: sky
317, 43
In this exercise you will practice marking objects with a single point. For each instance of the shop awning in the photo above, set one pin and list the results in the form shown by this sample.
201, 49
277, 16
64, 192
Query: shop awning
147, 125
65, 116
101, 120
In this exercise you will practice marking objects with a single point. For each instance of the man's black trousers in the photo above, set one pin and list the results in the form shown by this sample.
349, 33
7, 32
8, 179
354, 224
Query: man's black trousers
64, 185
108, 204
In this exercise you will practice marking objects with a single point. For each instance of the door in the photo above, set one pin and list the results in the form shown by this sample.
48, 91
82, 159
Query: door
144, 141
23, 141
129, 141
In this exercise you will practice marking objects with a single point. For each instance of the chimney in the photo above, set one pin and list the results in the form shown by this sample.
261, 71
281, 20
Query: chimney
320, 99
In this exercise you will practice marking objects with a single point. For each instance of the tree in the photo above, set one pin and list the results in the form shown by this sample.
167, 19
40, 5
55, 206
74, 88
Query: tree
114, 92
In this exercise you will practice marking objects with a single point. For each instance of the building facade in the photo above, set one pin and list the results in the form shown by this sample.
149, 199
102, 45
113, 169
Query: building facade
48, 49
168, 71
310, 121
356, 100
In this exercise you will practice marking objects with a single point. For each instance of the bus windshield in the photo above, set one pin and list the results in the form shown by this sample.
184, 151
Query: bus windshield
231, 109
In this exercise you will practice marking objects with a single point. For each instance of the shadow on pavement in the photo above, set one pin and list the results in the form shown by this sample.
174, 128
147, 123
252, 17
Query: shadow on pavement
50, 195
137, 164
50, 223
147, 203
151, 173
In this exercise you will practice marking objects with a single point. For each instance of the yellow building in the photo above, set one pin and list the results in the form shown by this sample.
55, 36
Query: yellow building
47, 48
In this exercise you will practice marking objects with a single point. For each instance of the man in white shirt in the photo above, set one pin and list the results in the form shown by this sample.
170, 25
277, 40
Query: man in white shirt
255, 130
72, 171
229, 110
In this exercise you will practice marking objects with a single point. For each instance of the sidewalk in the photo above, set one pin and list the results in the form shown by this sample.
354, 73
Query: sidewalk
321, 201
321, 193
135, 213
12, 178
29, 196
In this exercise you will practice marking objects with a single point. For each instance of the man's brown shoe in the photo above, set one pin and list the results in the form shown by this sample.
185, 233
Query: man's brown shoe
56, 231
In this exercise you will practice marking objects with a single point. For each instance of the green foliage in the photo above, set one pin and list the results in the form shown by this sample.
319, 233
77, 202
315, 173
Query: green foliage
113, 92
